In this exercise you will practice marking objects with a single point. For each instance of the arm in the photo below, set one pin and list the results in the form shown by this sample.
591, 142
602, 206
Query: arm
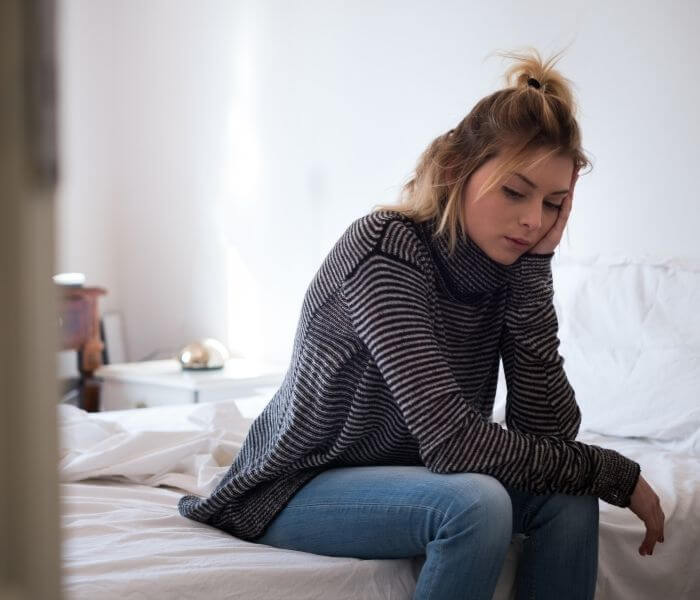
389, 302
540, 399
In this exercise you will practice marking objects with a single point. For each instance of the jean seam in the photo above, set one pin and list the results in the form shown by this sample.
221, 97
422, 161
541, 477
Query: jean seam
337, 504
432, 574
431, 509
529, 511
533, 574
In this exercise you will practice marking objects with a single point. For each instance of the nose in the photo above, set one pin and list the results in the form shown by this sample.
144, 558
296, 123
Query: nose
531, 215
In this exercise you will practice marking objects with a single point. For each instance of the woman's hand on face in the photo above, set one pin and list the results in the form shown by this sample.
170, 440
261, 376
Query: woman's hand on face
645, 504
551, 240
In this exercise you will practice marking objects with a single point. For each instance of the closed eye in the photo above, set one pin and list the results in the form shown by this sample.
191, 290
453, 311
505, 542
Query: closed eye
517, 195
512, 193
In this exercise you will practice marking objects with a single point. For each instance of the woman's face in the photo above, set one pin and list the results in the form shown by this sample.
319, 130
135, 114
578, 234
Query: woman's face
524, 207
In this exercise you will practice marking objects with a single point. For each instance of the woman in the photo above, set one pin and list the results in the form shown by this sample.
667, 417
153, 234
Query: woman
380, 443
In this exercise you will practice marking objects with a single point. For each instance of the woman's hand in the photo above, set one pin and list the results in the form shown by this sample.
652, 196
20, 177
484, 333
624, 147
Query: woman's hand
645, 504
551, 240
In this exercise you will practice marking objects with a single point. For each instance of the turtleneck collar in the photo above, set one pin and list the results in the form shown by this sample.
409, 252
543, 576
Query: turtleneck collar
469, 272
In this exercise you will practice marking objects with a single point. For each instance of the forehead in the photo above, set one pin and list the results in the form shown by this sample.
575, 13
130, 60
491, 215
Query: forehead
551, 172
545, 160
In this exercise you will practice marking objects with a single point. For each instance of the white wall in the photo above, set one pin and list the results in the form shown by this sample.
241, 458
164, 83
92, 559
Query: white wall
214, 151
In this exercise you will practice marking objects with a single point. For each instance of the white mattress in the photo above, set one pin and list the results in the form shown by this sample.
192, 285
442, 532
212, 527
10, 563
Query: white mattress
126, 541
123, 537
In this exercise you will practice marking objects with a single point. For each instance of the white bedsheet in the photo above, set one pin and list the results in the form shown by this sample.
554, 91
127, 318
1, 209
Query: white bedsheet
123, 537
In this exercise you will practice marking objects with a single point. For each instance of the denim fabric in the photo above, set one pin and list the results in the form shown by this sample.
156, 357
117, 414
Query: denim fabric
462, 523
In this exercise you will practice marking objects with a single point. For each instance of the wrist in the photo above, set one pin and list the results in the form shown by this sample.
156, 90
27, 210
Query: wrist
531, 276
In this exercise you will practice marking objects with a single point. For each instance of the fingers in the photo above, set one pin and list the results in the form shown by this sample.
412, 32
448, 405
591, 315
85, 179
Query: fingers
556, 231
567, 203
570, 196
647, 546
655, 530
574, 177
563, 216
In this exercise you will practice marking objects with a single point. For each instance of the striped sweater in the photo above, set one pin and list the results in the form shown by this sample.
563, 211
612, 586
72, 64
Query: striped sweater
395, 362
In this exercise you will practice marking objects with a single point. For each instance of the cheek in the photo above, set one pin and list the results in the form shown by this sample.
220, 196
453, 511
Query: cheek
490, 210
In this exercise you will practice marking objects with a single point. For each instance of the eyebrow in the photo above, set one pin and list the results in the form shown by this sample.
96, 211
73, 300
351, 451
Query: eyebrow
532, 185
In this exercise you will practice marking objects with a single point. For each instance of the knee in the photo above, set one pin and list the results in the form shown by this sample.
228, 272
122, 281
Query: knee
578, 512
482, 502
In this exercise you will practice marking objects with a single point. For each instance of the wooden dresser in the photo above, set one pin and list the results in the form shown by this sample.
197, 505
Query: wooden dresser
79, 329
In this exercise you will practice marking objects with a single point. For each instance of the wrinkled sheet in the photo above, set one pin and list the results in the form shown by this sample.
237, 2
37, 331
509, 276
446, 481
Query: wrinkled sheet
127, 541
122, 473
123, 537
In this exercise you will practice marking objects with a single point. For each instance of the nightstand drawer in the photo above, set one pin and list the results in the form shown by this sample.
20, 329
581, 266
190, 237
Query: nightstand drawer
120, 395
160, 383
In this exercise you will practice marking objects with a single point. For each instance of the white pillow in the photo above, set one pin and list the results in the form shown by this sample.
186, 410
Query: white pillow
630, 338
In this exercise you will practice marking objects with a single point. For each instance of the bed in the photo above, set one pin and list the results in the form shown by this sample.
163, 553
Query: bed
630, 337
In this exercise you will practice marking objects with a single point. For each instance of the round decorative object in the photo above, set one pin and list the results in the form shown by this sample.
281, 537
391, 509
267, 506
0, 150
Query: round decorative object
70, 279
203, 355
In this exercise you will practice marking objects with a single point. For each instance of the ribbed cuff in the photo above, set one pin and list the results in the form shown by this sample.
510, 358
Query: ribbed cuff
536, 255
617, 478
533, 264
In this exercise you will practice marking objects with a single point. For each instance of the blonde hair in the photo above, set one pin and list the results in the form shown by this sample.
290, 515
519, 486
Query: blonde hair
511, 123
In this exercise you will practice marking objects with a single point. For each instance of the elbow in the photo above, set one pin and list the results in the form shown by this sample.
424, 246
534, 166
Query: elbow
575, 424
572, 422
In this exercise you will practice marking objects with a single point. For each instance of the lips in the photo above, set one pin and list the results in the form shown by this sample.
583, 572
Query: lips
519, 241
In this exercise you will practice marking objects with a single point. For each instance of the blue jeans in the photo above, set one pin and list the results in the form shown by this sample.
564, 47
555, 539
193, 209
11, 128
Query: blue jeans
462, 523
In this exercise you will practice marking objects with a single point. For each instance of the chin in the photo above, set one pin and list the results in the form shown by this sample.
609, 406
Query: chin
509, 261
506, 260
503, 256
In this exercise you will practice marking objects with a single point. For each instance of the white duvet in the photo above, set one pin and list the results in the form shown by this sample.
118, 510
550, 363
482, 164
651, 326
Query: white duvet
123, 537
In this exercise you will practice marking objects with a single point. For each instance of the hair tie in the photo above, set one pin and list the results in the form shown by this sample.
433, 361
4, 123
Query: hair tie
534, 83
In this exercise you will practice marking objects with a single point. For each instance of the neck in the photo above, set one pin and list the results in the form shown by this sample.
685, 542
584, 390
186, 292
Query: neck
469, 271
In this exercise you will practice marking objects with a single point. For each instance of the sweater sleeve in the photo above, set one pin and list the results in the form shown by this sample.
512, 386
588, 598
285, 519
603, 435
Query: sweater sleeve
539, 399
389, 302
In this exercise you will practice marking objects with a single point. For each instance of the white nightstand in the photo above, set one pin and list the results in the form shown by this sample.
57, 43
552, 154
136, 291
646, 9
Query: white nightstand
160, 382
